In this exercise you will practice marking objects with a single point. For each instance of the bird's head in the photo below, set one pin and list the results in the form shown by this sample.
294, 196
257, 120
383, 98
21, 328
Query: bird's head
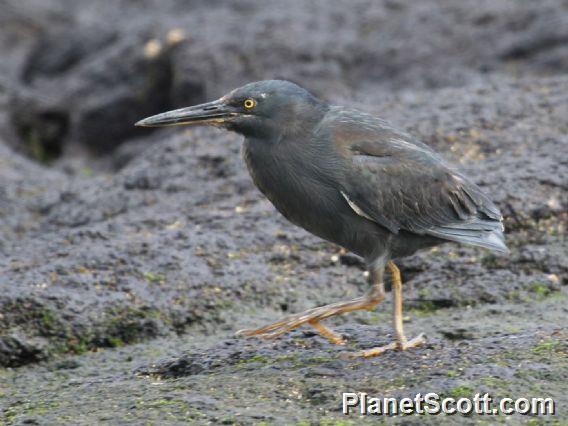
263, 108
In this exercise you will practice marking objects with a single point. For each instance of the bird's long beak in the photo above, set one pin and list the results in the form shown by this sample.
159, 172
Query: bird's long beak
215, 113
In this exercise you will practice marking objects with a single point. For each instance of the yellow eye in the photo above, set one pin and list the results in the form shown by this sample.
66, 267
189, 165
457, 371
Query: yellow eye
249, 103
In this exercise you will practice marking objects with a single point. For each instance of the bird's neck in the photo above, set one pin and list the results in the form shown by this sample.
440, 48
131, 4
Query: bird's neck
294, 125
299, 128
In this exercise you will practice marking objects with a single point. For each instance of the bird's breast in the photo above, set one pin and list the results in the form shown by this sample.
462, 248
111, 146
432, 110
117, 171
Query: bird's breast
279, 178
287, 178
306, 195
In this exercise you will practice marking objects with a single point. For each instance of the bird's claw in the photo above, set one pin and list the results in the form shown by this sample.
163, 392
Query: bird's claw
417, 341
400, 345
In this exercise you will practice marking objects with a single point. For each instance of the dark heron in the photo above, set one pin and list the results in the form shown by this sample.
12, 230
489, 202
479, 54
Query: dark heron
352, 179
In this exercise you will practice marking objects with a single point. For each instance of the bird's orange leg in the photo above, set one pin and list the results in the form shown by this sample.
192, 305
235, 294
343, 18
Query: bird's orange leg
401, 342
330, 335
315, 315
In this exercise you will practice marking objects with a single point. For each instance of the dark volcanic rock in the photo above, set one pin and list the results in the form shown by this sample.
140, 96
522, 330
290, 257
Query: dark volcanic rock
16, 350
90, 73
58, 52
180, 238
77, 105
160, 247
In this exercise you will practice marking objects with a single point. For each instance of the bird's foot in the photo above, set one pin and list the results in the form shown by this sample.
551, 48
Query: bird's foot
401, 344
313, 317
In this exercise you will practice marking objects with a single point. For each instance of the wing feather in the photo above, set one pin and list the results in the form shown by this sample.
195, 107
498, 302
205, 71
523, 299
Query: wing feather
401, 184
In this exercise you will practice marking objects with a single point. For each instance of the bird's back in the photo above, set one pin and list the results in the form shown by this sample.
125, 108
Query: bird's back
404, 186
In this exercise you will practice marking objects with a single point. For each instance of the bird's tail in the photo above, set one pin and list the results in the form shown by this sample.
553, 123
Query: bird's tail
481, 223
487, 233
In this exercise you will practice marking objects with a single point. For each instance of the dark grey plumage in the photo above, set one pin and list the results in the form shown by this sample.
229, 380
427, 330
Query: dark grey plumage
349, 178
352, 179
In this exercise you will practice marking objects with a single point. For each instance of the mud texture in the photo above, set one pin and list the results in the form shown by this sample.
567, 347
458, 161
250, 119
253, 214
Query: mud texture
129, 257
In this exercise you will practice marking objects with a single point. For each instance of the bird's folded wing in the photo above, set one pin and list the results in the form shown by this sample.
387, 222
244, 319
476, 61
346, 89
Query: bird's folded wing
403, 185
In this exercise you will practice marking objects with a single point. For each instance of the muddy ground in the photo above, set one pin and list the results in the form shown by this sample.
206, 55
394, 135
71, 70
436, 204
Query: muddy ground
128, 258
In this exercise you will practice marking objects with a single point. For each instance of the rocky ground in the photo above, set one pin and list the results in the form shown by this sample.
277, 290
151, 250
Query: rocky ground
128, 258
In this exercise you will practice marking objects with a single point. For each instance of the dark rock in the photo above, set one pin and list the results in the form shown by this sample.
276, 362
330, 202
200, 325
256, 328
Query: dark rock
58, 52
17, 349
103, 77
105, 246
161, 247
458, 334
68, 364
